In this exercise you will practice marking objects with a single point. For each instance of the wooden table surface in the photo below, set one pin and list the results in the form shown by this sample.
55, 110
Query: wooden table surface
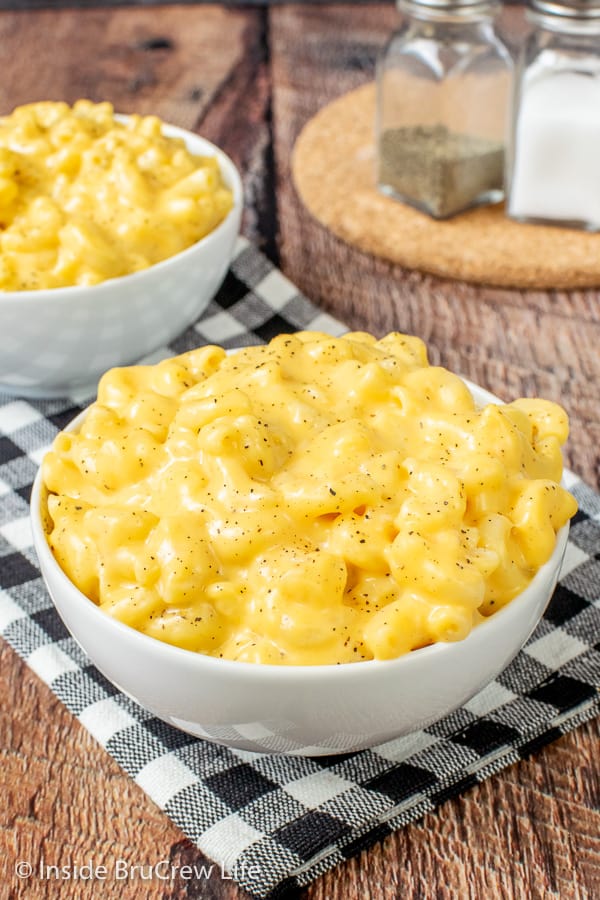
248, 79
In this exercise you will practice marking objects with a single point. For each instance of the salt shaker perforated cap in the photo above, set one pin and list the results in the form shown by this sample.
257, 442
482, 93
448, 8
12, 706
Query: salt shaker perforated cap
451, 6
571, 9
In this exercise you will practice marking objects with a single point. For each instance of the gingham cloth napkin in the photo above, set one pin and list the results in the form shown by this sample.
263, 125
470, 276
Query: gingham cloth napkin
279, 822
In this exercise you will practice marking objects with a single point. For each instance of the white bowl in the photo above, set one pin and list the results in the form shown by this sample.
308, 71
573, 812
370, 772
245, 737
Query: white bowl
60, 340
302, 710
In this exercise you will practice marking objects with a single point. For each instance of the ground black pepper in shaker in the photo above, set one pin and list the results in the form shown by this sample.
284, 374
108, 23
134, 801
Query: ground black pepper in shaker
443, 84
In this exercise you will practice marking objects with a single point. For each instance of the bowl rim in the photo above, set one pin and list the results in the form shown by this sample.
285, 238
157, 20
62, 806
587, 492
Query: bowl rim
369, 668
233, 180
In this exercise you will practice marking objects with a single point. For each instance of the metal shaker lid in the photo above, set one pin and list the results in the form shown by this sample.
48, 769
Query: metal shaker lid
571, 9
447, 4
454, 7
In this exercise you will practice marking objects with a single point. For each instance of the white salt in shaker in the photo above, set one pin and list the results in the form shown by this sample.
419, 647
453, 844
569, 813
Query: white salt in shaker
553, 166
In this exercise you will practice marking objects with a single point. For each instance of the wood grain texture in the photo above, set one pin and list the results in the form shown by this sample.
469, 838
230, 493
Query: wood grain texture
521, 834
244, 77
170, 61
65, 802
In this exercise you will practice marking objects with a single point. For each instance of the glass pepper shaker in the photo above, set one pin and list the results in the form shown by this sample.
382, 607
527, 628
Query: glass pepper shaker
443, 88
554, 152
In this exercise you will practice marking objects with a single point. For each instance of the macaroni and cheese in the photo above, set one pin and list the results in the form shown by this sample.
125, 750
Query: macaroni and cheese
85, 197
315, 500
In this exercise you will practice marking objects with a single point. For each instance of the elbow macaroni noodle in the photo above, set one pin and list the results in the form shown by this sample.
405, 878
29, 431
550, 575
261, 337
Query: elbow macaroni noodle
85, 197
315, 500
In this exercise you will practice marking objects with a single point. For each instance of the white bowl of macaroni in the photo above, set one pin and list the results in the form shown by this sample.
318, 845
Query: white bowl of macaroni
310, 547
116, 233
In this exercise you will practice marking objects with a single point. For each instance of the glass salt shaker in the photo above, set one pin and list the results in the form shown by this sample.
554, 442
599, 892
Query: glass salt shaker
443, 87
553, 167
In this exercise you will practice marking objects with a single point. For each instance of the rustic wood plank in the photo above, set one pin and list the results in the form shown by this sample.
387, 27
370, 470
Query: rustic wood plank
521, 834
533, 830
240, 123
169, 61
66, 802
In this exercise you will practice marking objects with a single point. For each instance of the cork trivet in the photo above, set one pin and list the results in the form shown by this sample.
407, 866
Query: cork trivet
333, 167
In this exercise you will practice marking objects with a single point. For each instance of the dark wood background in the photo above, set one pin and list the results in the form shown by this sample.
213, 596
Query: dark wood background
248, 78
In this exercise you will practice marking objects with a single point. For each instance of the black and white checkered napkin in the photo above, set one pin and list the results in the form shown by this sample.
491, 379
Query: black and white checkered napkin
279, 822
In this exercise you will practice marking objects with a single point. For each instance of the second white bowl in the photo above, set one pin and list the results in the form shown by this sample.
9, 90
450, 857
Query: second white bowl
57, 341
